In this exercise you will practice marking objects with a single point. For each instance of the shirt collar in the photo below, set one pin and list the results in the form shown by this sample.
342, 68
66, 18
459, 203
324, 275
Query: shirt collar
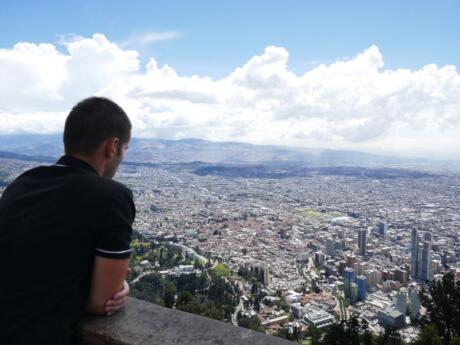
76, 163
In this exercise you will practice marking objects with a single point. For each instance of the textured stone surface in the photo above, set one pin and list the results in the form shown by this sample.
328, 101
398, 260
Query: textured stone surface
143, 323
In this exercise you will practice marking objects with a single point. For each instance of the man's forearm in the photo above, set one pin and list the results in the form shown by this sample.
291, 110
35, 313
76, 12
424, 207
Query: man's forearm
107, 281
112, 305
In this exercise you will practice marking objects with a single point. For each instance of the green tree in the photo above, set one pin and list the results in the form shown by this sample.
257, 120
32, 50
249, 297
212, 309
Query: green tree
283, 306
221, 271
203, 308
290, 333
442, 303
161, 256
352, 331
389, 337
169, 294
428, 336
249, 322
335, 335
367, 338
149, 288
198, 264
184, 298
314, 334
455, 341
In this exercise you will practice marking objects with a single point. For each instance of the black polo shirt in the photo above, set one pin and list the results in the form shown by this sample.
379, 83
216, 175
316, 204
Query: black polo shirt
53, 221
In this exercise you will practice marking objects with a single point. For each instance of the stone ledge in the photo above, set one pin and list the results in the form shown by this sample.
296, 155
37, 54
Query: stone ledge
143, 323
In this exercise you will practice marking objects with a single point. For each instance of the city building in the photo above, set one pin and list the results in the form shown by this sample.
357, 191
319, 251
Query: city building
351, 260
401, 300
414, 254
330, 247
426, 261
263, 273
266, 276
362, 234
391, 318
270, 300
341, 267
382, 228
361, 281
317, 317
427, 237
291, 297
319, 259
353, 293
414, 302
400, 275
297, 310
373, 277
348, 279
280, 320
419, 257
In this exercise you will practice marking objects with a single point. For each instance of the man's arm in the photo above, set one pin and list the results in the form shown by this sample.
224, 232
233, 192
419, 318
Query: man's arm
112, 252
107, 280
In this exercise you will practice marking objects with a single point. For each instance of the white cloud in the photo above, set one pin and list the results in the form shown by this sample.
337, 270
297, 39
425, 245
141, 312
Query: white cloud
353, 103
146, 38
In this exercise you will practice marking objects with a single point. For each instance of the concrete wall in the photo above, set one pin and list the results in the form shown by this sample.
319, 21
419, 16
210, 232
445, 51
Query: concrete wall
149, 324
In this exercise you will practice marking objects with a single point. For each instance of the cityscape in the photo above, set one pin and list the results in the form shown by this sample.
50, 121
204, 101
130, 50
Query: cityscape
322, 247
294, 165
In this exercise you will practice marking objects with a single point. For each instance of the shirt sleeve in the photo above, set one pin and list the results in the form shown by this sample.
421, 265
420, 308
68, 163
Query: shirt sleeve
114, 236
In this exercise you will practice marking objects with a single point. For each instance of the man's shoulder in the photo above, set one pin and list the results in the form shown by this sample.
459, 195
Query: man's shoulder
117, 200
35, 171
75, 179
112, 187
71, 179
23, 179
92, 182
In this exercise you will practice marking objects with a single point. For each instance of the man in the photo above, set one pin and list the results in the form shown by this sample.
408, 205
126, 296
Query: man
65, 232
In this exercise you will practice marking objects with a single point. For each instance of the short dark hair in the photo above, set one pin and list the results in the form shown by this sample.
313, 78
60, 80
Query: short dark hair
93, 120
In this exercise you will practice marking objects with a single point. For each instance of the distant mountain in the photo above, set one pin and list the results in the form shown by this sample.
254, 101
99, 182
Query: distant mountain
33, 144
21, 157
189, 150
272, 170
186, 150
279, 172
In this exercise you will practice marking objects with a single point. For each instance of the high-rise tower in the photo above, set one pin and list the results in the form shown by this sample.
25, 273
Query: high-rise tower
362, 234
414, 305
349, 278
361, 281
330, 247
419, 257
426, 261
414, 254
401, 300
382, 228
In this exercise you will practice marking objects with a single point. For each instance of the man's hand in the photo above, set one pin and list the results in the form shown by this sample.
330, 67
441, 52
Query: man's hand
117, 301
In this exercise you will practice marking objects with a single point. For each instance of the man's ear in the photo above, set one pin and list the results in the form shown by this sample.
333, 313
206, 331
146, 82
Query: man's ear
111, 147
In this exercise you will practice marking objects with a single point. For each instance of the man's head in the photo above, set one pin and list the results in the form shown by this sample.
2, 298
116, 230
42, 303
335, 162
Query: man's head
98, 131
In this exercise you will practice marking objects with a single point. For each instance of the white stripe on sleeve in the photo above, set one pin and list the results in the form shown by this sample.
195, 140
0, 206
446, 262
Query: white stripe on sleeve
113, 252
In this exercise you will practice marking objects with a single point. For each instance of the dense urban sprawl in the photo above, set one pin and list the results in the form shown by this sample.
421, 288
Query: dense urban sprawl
322, 247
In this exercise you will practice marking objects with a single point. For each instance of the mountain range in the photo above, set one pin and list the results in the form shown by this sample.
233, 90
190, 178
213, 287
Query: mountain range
150, 150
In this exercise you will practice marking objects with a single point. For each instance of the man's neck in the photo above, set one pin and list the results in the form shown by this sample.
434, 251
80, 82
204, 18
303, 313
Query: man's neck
93, 161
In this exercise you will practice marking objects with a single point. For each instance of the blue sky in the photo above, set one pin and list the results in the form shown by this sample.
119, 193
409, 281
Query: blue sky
214, 37
376, 76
